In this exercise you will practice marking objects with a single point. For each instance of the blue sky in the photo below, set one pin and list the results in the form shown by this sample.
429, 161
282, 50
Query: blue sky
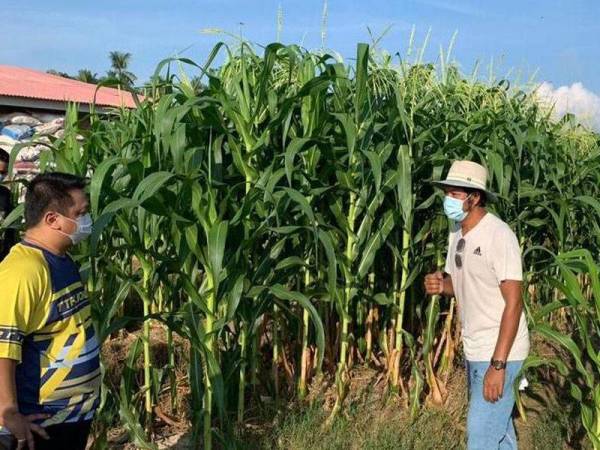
559, 38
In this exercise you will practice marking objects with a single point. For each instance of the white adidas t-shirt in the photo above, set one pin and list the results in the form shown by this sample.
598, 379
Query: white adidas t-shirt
490, 256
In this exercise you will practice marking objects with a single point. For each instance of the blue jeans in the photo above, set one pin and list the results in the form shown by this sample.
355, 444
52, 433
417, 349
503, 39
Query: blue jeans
490, 425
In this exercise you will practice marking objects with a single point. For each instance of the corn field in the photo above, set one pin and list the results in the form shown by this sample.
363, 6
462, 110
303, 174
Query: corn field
278, 219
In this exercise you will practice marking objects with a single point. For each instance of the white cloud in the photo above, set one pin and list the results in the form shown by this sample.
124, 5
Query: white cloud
574, 99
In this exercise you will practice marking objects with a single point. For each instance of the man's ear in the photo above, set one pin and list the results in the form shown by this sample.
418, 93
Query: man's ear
472, 201
51, 219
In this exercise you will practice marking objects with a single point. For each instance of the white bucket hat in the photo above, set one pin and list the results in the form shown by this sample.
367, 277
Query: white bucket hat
470, 175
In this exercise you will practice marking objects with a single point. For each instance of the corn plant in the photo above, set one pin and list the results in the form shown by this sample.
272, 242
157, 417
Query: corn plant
277, 217
581, 303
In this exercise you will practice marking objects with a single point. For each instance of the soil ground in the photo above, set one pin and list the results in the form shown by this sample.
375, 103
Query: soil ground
372, 418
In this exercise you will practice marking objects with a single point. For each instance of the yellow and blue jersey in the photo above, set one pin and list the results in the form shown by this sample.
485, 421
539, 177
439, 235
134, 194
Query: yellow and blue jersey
46, 325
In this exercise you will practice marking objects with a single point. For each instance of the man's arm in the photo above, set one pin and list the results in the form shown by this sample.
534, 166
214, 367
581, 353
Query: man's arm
20, 290
509, 324
21, 427
8, 391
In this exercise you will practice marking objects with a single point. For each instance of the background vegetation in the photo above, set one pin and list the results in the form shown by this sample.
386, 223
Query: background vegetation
260, 239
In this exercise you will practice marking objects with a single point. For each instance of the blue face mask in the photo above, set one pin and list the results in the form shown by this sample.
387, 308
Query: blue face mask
453, 208
83, 230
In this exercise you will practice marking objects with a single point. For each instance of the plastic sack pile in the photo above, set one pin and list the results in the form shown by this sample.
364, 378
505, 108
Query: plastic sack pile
36, 129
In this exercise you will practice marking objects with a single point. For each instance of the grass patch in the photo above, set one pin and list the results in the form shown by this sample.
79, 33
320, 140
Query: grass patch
367, 429
547, 432
371, 423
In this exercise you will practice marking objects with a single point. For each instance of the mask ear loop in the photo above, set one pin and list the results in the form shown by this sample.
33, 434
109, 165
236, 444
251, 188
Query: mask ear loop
467, 198
65, 234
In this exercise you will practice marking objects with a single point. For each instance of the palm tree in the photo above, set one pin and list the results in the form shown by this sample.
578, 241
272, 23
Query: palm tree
87, 76
119, 62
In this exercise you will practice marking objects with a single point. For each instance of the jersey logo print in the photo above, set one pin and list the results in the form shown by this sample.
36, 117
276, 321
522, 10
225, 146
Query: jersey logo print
477, 251
11, 335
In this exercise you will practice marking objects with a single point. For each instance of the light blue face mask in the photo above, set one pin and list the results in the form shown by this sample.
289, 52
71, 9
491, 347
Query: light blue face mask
453, 208
84, 228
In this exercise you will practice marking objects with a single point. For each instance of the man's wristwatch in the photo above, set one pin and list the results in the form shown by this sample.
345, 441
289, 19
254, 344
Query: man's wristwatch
498, 364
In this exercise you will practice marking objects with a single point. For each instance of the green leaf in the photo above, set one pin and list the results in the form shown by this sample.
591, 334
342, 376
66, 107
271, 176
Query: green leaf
234, 297
327, 243
404, 187
150, 185
383, 299
216, 247
375, 243
14, 216
568, 344
376, 168
302, 202
296, 145
290, 261
282, 293
99, 181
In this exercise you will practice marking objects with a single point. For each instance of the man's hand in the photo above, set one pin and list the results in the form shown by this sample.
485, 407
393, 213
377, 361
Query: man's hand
22, 427
493, 384
434, 283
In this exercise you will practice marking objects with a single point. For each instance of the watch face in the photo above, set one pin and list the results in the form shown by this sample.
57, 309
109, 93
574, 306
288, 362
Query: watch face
498, 365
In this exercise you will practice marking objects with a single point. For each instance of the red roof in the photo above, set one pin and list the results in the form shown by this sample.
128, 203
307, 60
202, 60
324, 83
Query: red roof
28, 83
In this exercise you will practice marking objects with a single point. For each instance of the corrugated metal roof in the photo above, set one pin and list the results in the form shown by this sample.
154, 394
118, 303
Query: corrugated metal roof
28, 83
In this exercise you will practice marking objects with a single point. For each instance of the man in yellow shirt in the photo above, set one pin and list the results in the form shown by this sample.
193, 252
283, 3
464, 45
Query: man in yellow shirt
49, 355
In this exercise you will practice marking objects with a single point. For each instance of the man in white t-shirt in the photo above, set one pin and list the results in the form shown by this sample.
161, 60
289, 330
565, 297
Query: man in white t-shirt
483, 271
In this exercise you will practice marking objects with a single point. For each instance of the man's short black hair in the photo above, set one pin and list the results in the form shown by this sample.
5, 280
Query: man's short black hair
50, 191
4, 156
482, 196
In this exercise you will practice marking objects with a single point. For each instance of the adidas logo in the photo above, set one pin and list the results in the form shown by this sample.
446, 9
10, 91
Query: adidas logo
477, 251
